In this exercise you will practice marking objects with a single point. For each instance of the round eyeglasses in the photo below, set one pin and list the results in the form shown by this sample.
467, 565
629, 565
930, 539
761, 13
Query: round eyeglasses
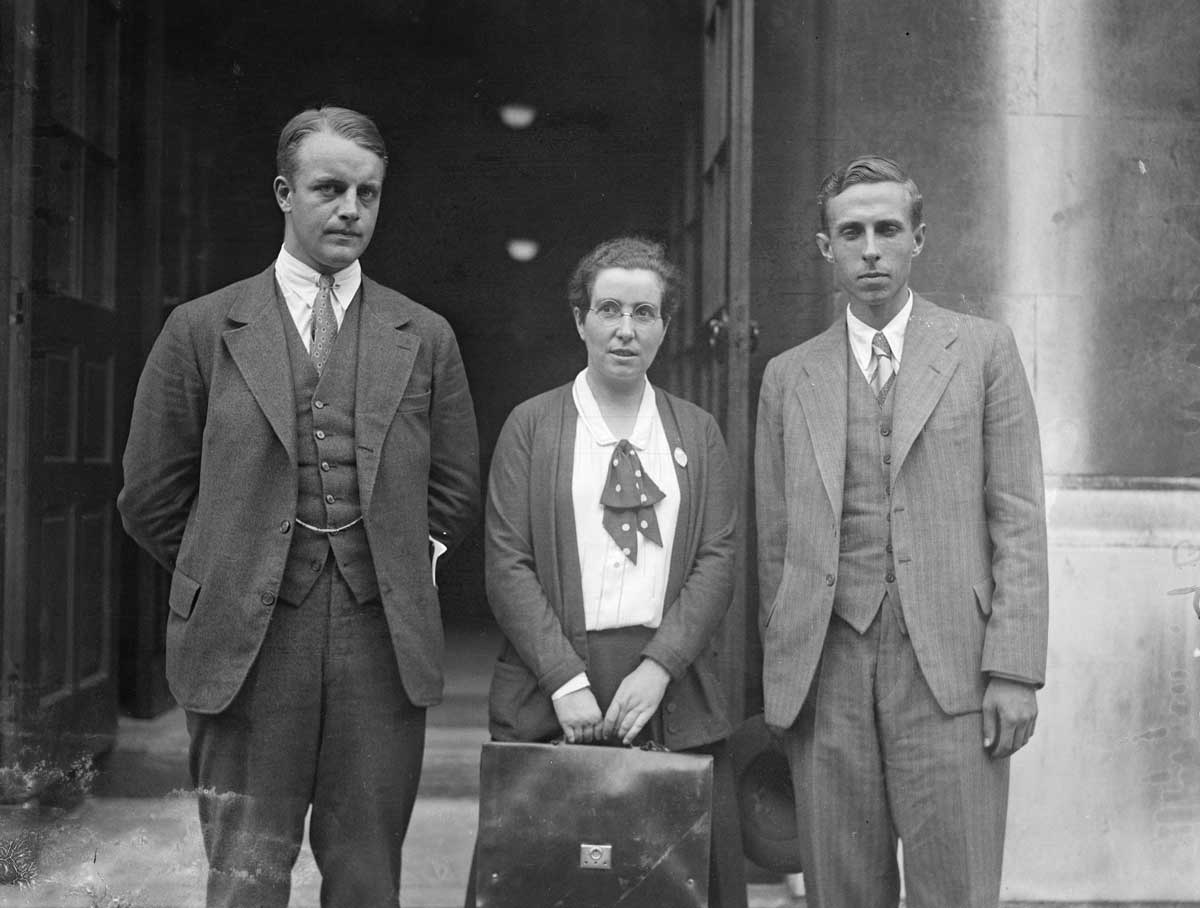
610, 312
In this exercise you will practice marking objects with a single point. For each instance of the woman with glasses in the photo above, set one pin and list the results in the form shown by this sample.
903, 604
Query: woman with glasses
609, 547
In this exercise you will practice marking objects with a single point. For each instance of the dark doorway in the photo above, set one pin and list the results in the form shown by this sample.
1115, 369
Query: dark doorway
612, 86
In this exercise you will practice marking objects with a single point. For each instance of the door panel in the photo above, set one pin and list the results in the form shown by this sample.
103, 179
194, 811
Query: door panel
67, 700
71, 698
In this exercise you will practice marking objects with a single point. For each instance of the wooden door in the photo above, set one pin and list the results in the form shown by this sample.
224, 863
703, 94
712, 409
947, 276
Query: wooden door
710, 342
63, 643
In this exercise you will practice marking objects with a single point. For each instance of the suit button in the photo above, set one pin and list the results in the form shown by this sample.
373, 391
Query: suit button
267, 598
316, 566
285, 526
325, 465
319, 404
329, 499
890, 578
320, 433
887, 458
885, 431
829, 581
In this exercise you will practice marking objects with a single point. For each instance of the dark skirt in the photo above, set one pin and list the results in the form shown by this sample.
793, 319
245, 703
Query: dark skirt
613, 654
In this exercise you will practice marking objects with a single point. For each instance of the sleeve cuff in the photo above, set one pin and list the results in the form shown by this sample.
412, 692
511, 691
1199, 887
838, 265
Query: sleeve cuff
437, 549
1029, 682
579, 682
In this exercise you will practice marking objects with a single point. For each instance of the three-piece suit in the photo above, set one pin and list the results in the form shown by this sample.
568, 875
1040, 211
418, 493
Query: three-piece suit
287, 643
902, 555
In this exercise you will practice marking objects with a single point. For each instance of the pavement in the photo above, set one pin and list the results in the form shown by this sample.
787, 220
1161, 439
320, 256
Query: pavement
135, 841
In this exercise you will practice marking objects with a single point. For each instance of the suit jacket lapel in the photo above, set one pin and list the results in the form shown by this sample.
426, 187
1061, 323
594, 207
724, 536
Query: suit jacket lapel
929, 362
258, 347
822, 393
386, 356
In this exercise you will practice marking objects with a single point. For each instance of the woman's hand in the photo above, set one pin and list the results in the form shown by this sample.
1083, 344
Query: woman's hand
635, 701
579, 715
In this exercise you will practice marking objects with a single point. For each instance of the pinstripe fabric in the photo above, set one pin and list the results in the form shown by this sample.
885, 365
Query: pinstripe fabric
884, 729
968, 516
873, 757
322, 720
865, 561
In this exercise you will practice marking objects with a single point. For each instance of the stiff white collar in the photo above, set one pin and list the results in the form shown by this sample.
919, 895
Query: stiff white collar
299, 281
861, 334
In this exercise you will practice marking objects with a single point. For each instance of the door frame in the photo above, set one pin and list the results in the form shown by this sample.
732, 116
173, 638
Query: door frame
17, 31
710, 348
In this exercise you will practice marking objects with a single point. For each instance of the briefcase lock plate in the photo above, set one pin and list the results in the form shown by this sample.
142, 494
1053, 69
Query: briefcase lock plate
595, 857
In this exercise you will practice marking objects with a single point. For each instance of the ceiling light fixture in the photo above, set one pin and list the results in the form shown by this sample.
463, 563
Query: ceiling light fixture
523, 249
517, 115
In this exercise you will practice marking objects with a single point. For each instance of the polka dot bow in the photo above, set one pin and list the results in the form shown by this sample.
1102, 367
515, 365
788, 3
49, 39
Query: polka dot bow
629, 497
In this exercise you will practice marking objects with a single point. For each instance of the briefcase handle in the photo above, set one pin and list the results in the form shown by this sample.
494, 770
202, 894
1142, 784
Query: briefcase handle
648, 746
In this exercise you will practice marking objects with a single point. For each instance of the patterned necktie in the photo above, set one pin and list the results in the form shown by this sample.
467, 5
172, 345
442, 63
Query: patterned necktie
885, 367
324, 323
629, 497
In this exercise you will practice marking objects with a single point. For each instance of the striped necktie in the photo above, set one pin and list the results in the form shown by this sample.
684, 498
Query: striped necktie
885, 367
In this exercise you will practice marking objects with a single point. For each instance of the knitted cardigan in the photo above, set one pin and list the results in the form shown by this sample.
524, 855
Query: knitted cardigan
533, 573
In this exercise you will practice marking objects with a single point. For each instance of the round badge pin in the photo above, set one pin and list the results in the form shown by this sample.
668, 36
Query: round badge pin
680, 457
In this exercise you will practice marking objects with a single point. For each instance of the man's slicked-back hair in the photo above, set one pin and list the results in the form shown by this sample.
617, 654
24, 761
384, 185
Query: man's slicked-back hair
624, 252
341, 121
867, 168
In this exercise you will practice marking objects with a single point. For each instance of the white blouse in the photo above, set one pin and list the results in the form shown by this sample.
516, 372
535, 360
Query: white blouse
617, 592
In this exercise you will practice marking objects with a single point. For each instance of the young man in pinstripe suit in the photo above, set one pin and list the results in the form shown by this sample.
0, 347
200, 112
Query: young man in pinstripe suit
902, 555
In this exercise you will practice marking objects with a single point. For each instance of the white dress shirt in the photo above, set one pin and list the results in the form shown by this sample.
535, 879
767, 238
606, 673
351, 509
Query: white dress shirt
617, 592
299, 285
861, 335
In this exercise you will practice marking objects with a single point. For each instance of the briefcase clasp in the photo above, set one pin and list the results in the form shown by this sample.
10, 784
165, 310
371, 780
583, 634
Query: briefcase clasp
595, 857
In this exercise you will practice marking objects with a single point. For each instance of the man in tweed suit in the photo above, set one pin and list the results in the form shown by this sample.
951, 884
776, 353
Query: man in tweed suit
300, 441
902, 557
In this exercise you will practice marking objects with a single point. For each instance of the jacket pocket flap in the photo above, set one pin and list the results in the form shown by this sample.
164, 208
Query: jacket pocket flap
416, 402
983, 594
184, 591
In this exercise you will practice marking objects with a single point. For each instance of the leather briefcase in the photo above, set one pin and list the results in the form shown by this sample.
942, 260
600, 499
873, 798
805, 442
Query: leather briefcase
579, 826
